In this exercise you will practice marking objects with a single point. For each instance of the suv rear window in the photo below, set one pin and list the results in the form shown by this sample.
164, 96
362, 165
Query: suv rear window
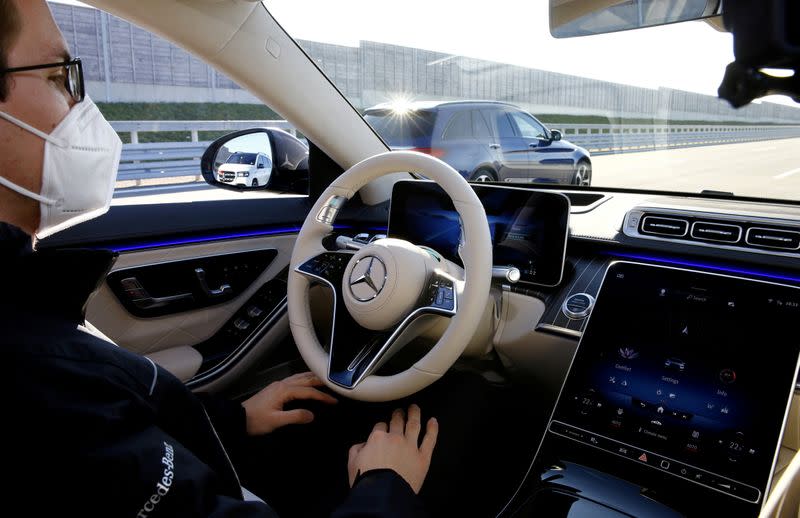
403, 129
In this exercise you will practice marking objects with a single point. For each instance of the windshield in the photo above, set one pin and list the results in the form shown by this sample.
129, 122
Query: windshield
488, 90
242, 158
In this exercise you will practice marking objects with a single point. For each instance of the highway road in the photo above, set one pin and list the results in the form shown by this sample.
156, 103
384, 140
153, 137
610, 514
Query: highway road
762, 169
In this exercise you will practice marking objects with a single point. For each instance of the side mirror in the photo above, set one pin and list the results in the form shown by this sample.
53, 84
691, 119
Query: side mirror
555, 135
257, 158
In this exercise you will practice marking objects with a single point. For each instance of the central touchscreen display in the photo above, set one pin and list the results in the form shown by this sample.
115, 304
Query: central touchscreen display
528, 228
686, 372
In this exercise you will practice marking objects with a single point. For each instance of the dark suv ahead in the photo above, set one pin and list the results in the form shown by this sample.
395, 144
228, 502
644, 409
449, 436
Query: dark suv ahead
485, 141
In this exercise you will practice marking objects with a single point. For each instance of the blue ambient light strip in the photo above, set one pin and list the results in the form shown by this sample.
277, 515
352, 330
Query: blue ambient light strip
706, 266
221, 237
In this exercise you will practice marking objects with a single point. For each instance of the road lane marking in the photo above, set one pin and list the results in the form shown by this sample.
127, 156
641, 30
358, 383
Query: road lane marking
787, 174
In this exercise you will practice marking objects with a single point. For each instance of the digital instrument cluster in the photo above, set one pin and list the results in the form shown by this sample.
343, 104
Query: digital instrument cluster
528, 228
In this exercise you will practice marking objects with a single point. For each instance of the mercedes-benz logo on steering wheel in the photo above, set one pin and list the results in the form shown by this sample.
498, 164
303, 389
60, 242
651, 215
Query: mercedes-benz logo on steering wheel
367, 278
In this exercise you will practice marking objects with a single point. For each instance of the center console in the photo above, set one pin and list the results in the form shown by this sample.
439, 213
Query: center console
675, 401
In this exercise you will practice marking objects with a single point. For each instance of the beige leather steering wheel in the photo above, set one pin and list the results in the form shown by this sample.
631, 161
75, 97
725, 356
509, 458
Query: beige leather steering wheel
381, 289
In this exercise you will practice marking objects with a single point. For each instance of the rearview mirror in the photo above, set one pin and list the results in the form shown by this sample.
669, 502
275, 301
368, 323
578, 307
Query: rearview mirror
570, 18
257, 158
555, 135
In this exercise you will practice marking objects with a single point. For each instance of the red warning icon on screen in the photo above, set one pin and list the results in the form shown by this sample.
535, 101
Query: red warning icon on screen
643, 457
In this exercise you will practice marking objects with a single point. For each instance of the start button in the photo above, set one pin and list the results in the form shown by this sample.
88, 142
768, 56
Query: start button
578, 306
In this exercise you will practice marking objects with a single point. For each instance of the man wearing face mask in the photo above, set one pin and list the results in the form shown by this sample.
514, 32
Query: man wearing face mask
91, 429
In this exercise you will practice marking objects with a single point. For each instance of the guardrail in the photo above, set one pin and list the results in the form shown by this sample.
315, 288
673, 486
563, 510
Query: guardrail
160, 160
133, 128
151, 161
625, 138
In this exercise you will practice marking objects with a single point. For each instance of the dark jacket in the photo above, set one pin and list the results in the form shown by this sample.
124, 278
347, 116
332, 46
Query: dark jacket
91, 429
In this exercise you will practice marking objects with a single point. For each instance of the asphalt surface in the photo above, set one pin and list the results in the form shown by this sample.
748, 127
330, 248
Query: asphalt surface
768, 169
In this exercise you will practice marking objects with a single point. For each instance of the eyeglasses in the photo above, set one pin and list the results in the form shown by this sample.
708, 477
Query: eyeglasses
73, 79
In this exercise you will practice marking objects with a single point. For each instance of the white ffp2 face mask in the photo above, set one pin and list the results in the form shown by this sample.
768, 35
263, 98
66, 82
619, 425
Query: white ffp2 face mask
81, 157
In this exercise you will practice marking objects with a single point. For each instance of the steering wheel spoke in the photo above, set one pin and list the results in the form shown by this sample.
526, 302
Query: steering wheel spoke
356, 352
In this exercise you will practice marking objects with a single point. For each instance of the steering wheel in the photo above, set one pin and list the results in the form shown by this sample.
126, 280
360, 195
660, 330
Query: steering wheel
380, 290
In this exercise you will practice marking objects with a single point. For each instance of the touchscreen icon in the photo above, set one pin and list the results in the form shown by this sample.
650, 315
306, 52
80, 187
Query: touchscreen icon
727, 376
675, 364
628, 353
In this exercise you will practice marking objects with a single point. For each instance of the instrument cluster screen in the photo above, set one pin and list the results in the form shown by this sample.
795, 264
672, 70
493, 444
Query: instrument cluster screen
528, 228
687, 372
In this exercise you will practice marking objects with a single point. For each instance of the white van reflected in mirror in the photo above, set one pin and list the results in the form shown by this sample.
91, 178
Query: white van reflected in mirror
245, 161
257, 158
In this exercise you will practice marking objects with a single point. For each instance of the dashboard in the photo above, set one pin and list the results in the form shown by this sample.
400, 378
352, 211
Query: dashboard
676, 399
668, 320
528, 228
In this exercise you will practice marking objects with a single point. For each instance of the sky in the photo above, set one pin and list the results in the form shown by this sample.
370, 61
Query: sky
689, 56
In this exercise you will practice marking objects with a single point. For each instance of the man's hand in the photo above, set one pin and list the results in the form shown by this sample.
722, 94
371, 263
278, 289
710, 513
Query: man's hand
396, 447
265, 411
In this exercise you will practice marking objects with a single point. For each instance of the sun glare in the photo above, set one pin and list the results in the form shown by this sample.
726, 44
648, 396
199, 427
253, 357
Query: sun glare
401, 105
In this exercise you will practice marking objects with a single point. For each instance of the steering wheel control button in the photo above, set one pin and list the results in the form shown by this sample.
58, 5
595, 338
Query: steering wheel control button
440, 294
658, 462
367, 278
578, 306
328, 265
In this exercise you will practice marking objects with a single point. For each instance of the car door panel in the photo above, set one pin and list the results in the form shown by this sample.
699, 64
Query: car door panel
183, 285
166, 337
183, 362
152, 235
